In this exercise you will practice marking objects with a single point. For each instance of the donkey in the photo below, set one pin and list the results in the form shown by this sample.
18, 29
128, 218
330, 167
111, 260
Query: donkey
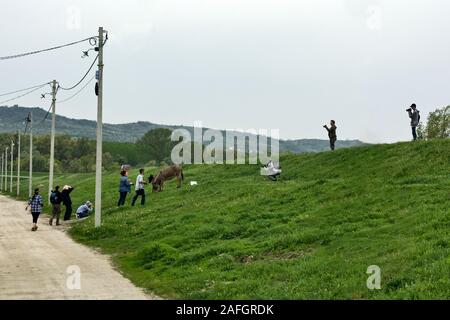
166, 175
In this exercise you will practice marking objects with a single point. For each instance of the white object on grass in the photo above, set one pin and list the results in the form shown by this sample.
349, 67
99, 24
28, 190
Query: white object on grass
193, 183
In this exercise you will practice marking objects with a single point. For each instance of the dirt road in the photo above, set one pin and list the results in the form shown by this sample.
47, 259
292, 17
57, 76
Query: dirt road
47, 264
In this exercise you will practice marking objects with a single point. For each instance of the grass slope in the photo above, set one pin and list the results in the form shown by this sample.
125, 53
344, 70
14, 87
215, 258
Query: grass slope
311, 235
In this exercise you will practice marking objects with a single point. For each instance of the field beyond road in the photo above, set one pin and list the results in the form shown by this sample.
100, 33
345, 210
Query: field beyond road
312, 235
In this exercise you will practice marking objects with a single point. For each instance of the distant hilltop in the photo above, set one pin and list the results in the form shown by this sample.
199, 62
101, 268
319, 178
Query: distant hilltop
11, 119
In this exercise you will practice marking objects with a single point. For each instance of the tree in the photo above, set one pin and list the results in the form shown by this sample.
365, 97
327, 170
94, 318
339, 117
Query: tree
421, 131
438, 126
156, 145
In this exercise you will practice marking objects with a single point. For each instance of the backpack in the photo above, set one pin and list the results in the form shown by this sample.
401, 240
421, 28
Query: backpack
53, 198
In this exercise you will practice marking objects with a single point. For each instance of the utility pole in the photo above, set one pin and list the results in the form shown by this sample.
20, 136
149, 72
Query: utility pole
18, 162
6, 169
52, 141
12, 168
1, 180
3, 172
30, 180
98, 165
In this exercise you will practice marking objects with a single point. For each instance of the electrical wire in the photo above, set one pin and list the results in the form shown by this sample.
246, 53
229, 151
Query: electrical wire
84, 77
65, 100
46, 115
22, 90
20, 55
23, 95
78, 92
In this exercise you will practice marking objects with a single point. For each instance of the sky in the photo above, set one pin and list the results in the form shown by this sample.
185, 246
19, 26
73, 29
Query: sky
291, 65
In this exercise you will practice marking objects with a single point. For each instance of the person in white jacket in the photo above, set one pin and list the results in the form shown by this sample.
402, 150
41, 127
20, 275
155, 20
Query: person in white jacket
140, 188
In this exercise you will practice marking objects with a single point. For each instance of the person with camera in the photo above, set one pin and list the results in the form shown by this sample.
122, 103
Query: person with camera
414, 115
332, 133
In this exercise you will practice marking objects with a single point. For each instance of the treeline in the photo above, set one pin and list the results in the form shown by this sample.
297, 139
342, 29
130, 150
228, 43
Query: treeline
71, 155
437, 125
78, 154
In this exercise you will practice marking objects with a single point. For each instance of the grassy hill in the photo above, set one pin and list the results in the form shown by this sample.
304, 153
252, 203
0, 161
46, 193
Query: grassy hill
12, 118
311, 235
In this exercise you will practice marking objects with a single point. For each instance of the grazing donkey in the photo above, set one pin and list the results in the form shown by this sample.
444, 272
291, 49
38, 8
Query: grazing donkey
166, 175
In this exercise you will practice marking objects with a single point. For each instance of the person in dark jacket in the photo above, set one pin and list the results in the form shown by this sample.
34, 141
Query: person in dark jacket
332, 133
55, 199
414, 115
67, 201
124, 187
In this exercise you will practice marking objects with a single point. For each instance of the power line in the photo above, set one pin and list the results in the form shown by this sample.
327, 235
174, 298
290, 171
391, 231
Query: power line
46, 115
22, 90
92, 41
23, 95
78, 92
84, 77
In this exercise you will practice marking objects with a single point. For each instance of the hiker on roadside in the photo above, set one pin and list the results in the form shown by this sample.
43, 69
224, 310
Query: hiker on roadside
84, 210
36, 204
414, 114
55, 200
124, 187
67, 201
332, 133
140, 191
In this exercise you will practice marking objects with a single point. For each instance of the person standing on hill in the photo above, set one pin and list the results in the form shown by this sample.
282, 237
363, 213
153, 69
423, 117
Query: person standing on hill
124, 187
414, 114
332, 133
36, 204
67, 201
55, 200
140, 191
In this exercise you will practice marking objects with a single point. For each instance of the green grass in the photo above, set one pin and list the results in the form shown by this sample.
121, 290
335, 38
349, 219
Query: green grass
311, 235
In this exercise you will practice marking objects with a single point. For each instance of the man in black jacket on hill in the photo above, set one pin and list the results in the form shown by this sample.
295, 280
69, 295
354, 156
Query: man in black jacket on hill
67, 201
332, 133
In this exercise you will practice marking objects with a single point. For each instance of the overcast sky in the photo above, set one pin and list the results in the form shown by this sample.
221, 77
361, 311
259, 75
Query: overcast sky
266, 64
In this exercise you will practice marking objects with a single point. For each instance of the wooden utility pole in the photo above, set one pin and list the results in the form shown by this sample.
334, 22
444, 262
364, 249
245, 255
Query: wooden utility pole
52, 142
1, 180
12, 167
98, 165
6, 169
30, 171
18, 162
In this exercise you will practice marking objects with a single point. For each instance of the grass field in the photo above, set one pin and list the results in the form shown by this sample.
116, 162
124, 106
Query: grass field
311, 235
